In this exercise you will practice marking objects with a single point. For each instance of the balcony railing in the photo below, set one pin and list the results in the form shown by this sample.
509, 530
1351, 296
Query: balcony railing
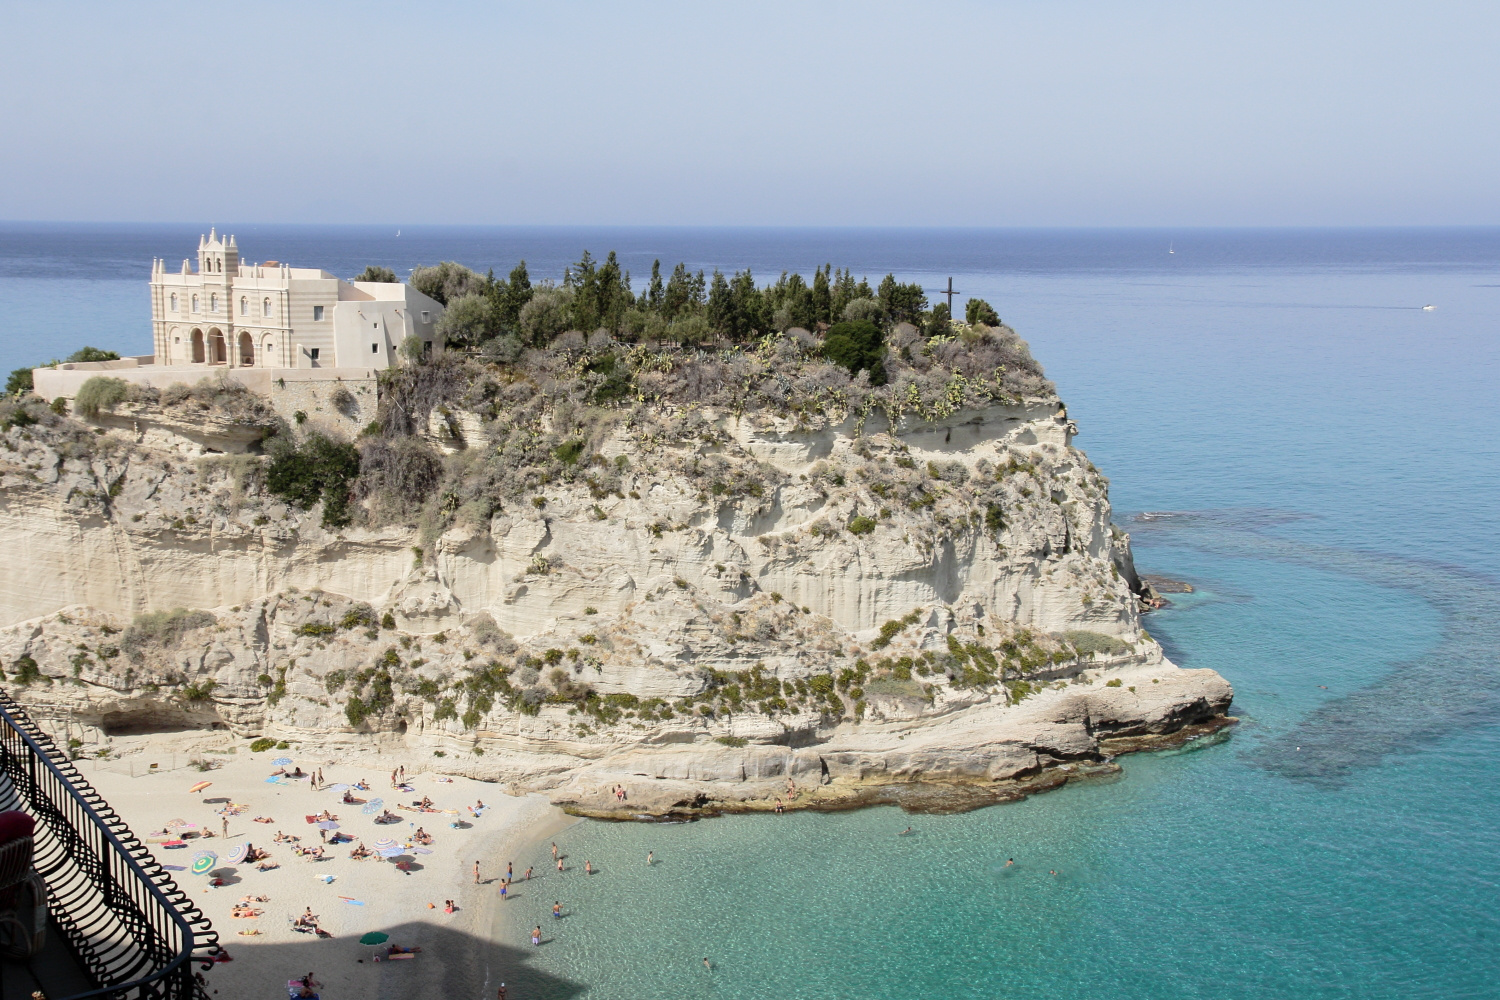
122, 916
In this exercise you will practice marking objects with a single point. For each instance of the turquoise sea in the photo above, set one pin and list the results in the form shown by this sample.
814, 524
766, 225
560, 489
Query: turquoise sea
1327, 450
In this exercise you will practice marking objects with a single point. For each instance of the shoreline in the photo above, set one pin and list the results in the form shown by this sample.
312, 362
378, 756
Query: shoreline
363, 896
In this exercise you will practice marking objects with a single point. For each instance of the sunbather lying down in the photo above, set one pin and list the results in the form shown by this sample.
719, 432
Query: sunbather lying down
396, 949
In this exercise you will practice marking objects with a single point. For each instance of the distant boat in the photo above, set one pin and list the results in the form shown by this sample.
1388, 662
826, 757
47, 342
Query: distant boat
398, 232
1170, 244
1428, 308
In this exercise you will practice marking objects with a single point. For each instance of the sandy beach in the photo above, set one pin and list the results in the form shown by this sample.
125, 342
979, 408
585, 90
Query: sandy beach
458, 956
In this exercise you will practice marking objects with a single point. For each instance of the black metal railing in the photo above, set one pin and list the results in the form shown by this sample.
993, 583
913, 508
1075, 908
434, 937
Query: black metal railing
125, 919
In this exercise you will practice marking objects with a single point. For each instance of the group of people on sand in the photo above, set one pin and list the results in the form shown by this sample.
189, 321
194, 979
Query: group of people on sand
246, 909
422, 837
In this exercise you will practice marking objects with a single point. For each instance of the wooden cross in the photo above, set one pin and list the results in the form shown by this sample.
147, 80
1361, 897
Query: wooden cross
950, 293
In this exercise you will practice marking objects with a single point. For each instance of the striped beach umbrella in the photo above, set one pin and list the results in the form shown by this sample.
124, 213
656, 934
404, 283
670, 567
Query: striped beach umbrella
385, 844
238, 854
373, 806
282, 761
392, 852
204, 862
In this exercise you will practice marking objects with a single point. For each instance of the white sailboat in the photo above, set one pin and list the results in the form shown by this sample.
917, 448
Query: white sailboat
1170, 245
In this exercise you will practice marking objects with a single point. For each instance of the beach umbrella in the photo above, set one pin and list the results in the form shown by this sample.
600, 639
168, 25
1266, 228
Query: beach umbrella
327, 824
200, 786
373, 806
375, 937
392, 852
385, 843
282, 761
173, 824
204, 862
238, 854
340, 787
420, 850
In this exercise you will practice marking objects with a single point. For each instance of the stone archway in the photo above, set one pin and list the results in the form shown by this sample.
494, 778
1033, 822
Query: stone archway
198, 356
247, 351
217, 354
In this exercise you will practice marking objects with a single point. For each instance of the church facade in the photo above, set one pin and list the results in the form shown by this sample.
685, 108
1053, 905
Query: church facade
271, 315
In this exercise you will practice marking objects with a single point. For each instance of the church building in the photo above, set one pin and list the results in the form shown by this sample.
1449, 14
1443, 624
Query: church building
273, 315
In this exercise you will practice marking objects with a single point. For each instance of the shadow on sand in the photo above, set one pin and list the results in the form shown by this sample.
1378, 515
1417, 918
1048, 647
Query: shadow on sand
453, 964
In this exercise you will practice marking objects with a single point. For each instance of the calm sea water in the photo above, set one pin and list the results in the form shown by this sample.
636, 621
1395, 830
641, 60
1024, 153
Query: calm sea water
1332, 451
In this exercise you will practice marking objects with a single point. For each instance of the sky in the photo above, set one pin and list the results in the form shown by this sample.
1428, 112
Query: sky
1009, 113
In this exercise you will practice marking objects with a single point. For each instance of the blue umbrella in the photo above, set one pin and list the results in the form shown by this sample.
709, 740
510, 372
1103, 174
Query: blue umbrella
392, 852
327, 824
373, 806
282, 761
335, 788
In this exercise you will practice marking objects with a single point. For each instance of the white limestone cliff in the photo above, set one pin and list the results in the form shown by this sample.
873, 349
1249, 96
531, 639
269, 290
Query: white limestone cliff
957, 581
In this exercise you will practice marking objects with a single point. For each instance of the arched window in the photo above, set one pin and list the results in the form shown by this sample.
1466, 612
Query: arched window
265, 307
213, 303
174, 301
244, 306
195, 303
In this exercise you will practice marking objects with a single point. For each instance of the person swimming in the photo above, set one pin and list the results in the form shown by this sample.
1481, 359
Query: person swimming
905, 833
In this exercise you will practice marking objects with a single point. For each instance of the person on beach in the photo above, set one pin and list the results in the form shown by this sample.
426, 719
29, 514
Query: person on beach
226, 826
554, 850
504, 891
588, 868
557, 911
510, 872
536, 935
500, 993
476, 873
528, 874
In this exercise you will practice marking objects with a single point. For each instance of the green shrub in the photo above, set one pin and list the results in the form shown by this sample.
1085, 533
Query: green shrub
862, 525
858, 346
1114, 683
355, 711
261, 745
569, 452
994, 517
315, 629
360, 614
164, 629
1095, 642
320, 469
92, 354
100, 393
199, 692
893, 628
732, 741
26, 671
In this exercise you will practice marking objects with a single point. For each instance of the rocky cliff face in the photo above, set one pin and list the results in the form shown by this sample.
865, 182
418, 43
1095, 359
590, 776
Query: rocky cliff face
719, 603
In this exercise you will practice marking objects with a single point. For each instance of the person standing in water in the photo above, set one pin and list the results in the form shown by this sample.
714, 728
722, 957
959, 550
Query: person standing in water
557, 910
536, 935
510, 871
708, 965
559, 864
528, 874
650, 858
588, 868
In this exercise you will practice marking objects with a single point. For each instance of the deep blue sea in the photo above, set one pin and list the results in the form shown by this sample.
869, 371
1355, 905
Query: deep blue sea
1331, 455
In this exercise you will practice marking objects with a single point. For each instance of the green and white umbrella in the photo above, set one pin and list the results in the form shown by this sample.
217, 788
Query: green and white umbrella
204, 862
